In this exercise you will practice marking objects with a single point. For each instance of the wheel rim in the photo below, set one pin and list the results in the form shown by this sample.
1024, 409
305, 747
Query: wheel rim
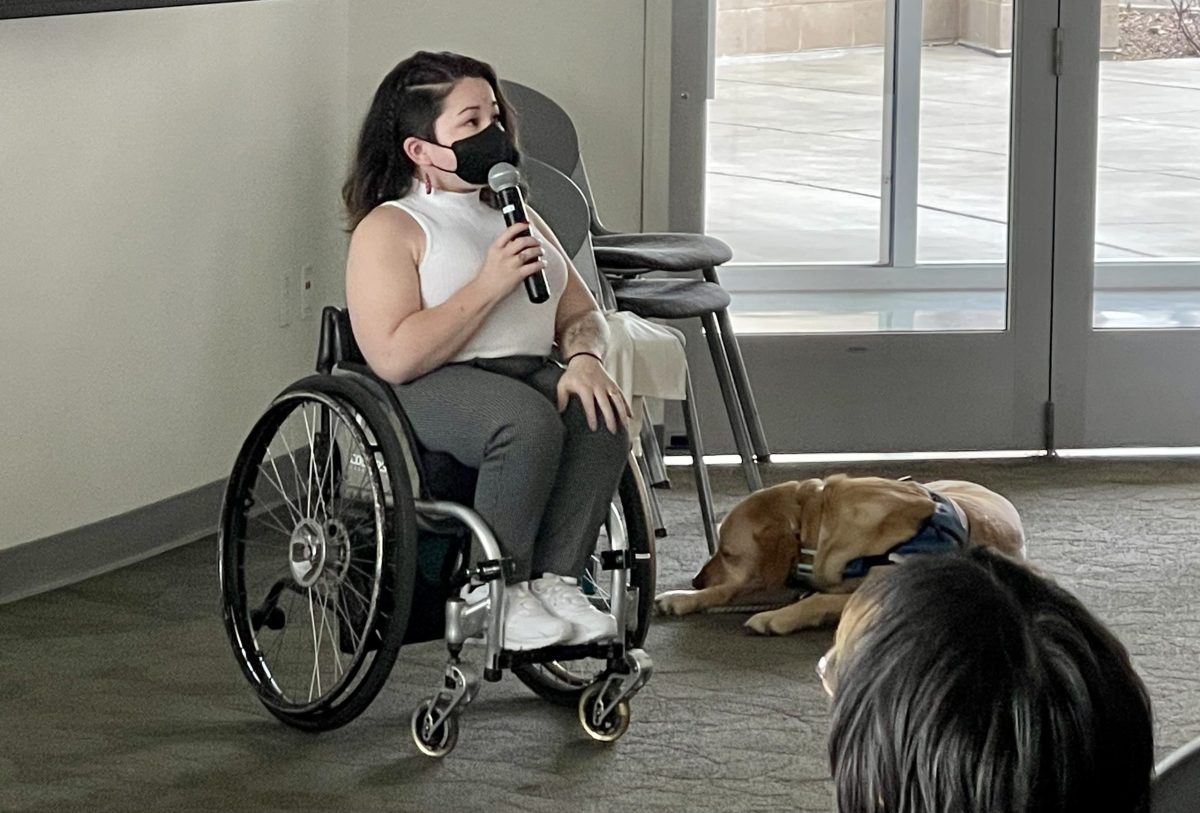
303, 546
613, 726
436, 743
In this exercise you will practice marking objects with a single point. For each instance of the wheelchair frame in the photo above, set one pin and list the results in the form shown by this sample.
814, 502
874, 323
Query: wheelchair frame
602, 704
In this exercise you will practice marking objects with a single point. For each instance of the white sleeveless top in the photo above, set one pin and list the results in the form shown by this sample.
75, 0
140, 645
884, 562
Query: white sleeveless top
459, 228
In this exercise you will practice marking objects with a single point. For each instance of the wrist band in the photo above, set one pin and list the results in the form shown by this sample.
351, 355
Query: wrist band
585, 353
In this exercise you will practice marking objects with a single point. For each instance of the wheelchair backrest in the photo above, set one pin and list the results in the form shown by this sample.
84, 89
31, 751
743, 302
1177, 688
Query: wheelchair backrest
337, 345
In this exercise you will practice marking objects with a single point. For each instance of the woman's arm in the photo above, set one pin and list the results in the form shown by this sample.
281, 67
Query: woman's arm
579, 326
582, 335
399, 339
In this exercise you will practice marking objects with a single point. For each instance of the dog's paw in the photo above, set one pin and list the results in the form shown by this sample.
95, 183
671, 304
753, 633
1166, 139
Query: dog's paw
768, 623
676, 602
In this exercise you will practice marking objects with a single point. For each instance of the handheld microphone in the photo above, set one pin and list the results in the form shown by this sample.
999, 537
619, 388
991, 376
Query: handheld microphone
504, 178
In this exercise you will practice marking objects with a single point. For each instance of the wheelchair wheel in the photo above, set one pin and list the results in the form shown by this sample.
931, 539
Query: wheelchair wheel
612, 727
433, 742
317, 552
562, 682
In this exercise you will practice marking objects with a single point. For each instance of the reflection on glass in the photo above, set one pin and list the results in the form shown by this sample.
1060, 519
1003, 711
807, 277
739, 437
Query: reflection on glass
962, 213
794, 132
1148, 194
795, 167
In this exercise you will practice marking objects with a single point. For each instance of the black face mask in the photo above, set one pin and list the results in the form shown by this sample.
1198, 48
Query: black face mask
477, 154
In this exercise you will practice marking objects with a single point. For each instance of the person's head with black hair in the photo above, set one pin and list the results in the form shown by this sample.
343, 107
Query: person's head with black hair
427, 104
967, 683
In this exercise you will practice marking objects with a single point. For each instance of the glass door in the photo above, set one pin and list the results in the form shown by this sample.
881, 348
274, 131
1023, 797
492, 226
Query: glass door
1127, 345
884, 174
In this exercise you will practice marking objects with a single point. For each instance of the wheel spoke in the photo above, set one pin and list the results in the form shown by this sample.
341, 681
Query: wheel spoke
293, 510
282, 634
344, 618
295, 467
333, 644
312, 463
326, 478
316, 671
365, 601
275, 526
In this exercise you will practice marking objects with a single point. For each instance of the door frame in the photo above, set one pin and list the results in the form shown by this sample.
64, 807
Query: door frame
1110, 388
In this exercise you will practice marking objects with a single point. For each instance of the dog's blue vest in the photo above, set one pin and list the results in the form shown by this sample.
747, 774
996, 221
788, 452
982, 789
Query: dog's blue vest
941, 532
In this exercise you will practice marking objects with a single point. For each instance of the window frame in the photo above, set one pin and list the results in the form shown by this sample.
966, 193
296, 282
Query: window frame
15, 9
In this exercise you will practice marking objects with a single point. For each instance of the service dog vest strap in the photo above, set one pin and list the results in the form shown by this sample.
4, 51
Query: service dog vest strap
941, 532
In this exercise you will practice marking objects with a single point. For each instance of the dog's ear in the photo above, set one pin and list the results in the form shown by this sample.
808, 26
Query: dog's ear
809, 496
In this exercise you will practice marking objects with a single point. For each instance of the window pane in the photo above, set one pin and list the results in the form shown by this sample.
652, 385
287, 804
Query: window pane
794, 146
795, 164
1148, 194
963, 167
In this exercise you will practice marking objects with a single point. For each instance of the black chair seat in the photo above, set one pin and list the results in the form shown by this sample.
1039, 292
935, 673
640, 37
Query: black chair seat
448, 479
660, 251
669, 298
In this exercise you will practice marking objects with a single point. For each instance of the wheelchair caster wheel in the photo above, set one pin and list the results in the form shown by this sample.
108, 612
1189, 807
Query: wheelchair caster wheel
611, 726
434, 740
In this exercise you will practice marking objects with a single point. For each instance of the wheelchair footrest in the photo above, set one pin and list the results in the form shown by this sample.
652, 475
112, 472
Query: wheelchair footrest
602, 650
617, 559
492, 569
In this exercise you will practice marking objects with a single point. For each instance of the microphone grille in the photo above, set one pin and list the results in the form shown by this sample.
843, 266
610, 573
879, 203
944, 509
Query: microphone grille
503, 176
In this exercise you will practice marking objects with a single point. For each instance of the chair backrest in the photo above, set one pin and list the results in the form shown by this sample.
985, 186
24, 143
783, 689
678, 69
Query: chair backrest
561, 203
337, 344
548, 134
1176, 788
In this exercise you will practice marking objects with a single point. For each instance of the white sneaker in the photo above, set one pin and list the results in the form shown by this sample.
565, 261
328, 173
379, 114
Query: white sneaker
562, 597
527, 624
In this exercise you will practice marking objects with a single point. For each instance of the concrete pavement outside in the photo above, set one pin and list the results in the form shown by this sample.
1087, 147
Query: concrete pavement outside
795, 164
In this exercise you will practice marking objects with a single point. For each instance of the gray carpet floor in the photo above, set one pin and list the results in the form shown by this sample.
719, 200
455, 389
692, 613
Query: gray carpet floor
121, 693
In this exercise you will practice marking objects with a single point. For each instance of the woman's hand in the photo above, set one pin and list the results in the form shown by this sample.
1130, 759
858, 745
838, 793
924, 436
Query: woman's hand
512, 257
586, 378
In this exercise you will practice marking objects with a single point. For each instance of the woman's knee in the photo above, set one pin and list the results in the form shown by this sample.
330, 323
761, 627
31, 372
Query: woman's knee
576, 422
536, 430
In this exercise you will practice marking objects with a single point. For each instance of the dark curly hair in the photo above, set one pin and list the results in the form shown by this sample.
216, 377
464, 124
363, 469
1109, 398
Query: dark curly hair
407, 103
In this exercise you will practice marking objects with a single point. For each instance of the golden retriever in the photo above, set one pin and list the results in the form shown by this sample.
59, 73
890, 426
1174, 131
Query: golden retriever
835, 521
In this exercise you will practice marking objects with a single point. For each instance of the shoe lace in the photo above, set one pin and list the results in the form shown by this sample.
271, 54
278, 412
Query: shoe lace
567, 595
526, 600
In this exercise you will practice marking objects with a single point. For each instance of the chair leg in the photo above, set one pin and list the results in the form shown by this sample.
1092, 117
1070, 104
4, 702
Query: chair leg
656, 470
741, 381
660, 530
733, 407
691, 425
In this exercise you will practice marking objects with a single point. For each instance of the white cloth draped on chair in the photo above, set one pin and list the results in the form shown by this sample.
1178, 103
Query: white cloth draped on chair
647, 360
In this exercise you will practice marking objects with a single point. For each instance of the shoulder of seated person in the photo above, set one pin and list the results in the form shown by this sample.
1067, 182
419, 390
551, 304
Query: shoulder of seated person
390, 223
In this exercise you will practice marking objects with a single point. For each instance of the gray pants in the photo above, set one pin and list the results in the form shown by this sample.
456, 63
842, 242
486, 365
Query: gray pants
545, 478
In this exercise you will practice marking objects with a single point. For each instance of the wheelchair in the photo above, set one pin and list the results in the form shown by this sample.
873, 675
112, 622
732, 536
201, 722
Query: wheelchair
341, 540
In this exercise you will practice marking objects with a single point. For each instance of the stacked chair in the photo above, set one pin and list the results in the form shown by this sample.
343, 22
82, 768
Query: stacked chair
691, 289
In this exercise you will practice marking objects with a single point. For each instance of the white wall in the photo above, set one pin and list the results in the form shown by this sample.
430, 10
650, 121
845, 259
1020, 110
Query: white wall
159, 170
587, 56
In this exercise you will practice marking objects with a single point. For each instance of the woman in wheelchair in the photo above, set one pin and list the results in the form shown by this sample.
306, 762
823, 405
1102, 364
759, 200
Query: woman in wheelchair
434, 291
